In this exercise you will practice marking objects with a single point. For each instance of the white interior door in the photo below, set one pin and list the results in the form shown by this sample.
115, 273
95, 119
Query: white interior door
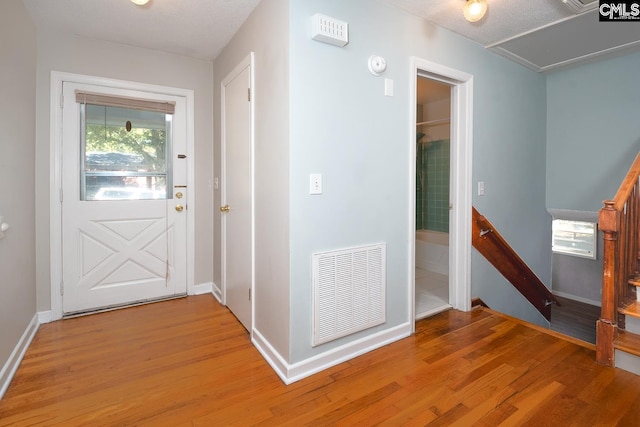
236, 194
124, 225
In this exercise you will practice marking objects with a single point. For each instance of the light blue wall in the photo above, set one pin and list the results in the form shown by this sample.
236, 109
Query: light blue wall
593, 131
593, 135
345, 128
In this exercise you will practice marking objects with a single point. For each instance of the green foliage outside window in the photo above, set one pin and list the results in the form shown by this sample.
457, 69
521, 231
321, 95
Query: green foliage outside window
110, 146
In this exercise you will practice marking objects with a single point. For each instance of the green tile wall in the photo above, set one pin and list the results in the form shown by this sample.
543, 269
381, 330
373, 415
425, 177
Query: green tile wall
432, 185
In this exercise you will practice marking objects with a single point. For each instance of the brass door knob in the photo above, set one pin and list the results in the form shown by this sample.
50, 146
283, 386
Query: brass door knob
225, 208
179, 208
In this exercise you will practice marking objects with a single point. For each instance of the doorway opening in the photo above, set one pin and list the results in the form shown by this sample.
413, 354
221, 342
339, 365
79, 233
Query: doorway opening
440, 207
433, 154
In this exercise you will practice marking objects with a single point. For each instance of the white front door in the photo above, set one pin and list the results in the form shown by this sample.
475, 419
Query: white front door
124, 225
236, 193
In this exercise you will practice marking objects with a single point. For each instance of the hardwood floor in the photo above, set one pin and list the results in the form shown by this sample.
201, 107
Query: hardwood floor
188, 362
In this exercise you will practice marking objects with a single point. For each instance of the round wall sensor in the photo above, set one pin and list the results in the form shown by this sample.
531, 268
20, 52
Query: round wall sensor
377, 65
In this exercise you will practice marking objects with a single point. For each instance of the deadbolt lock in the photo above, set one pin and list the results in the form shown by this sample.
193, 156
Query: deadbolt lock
179, 195
179, 208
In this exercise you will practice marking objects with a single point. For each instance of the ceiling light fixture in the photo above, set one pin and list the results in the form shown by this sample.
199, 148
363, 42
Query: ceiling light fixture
140, 2
474, 10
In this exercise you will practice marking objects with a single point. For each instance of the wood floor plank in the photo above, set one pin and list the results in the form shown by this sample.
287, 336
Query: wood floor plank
189, 362
529, 403
485, 409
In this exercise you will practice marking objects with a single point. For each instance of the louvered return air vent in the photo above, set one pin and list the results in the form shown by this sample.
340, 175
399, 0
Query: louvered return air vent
349, 291
330, 30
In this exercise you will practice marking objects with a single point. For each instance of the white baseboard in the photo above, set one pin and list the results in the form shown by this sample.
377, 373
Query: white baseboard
217, 292
577, 298
202, 288
290, 373
273, 358
45, 317
11, 366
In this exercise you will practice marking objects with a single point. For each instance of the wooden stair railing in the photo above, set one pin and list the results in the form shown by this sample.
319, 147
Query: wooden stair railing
497, 251
618, 220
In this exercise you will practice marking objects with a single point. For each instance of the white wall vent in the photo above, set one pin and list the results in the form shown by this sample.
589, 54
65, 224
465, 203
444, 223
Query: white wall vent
329, 30
349, 291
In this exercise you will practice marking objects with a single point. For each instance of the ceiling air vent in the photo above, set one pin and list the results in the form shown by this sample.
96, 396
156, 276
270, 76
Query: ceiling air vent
580, 6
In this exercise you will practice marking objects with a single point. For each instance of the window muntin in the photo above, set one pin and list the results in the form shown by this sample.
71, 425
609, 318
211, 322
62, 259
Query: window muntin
125, 153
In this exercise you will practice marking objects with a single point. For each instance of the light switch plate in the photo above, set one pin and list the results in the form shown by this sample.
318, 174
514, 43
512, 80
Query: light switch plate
315, 183
388, 87
480, 188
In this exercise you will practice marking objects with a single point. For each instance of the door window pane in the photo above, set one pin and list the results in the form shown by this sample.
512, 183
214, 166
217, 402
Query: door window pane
126, 188
125, 154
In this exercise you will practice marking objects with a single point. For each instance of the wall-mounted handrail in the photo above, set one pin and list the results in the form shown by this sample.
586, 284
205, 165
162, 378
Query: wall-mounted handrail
618, 221
501, 255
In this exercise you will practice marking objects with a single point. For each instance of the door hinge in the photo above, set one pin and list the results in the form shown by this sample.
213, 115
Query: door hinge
249, 94
61, 195
249, 294
61, 101
61, 288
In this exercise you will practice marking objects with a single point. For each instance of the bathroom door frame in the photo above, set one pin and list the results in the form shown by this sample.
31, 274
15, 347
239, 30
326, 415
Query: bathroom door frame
460, 188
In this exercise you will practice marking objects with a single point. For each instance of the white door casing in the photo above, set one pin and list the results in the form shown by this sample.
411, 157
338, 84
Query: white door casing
116, 252
460, 181
237, 192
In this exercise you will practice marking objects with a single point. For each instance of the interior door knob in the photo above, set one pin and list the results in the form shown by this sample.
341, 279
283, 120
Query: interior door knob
179, 208
225, 208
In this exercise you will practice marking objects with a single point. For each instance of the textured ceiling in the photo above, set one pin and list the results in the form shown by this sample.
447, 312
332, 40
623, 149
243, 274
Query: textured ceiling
196, 28
540, 34
504, 18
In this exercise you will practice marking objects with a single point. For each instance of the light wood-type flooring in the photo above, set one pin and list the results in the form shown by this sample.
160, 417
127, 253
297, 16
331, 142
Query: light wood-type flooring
188, 362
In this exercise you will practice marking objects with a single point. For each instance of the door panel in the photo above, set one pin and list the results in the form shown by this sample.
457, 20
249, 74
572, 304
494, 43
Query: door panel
237, 255
122, 241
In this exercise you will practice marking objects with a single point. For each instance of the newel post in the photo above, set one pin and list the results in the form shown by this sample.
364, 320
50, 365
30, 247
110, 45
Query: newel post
607, 327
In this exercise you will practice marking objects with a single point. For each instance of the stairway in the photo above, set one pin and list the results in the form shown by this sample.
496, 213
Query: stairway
618, 329
627, 344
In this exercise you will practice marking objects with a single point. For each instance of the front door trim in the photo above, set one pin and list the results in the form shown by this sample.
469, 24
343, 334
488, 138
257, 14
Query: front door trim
55, 173
460, 183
